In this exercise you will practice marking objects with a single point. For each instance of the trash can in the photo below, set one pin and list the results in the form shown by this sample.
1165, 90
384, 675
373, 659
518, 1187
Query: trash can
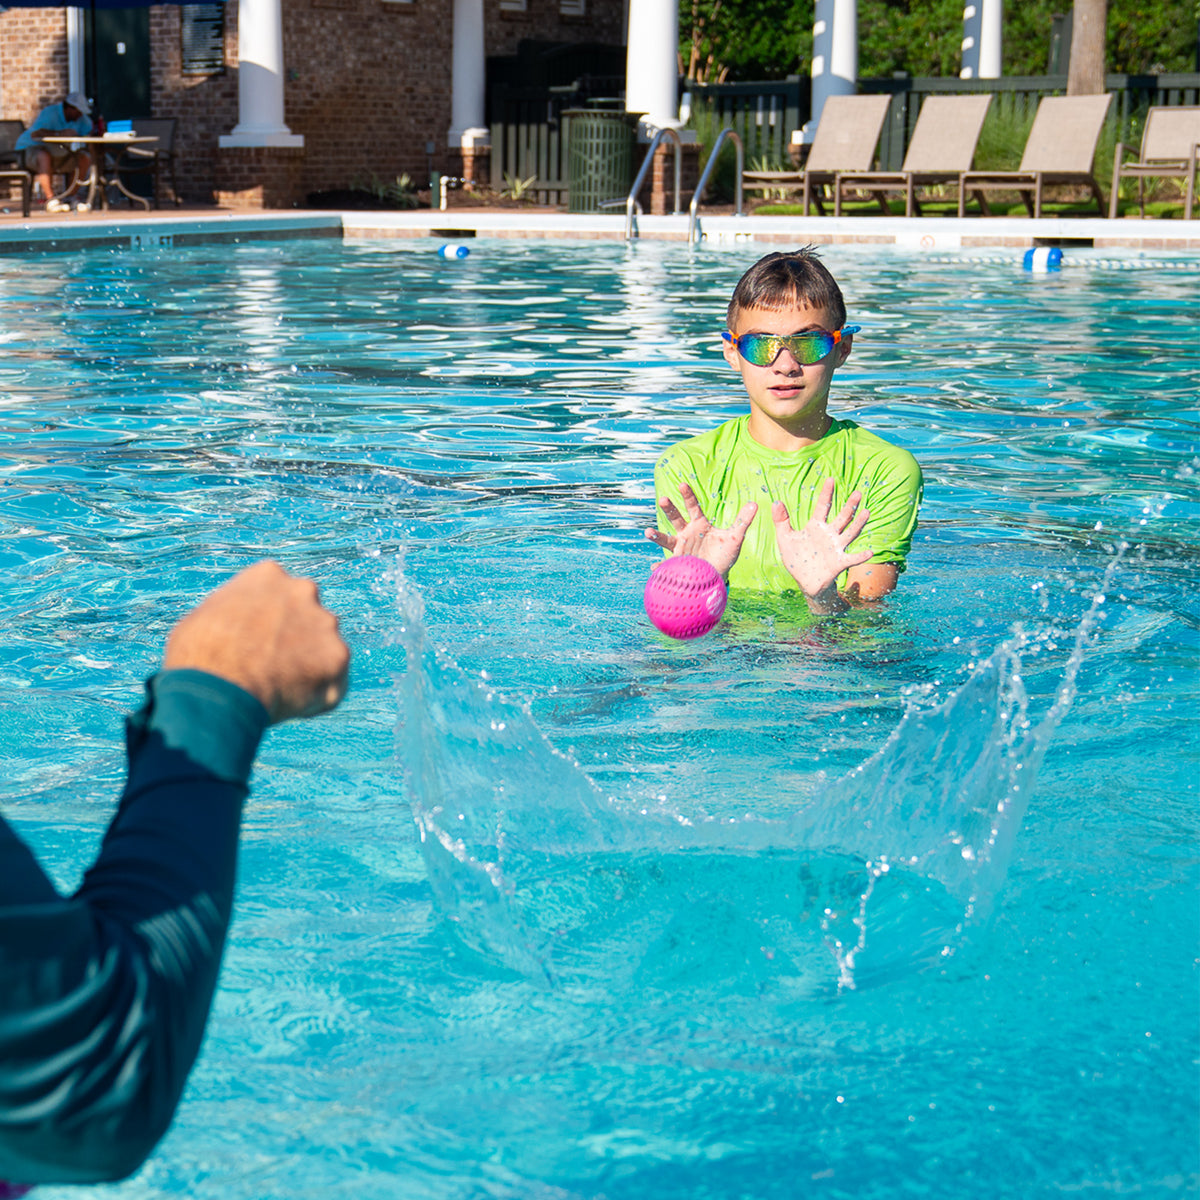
600, 155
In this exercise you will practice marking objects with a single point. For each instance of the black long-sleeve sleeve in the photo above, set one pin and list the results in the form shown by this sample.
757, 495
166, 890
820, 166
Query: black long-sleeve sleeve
104, 996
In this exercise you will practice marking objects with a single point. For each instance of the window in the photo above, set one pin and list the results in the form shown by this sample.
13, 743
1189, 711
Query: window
202, 39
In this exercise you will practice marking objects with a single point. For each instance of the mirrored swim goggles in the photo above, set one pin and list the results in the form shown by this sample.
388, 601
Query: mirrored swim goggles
762, 349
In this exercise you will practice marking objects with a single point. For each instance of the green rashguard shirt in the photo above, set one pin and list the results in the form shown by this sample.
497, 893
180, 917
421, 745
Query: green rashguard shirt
726, 468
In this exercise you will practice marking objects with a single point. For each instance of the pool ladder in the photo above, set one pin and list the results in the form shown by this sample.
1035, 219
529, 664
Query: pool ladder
632, 206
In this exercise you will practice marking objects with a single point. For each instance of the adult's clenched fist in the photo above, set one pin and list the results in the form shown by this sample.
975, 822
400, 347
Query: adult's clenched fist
267, 632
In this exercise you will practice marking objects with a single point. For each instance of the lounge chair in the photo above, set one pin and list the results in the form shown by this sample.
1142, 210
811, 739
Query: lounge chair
942, 148
11, 169
1170, 147
847, 135
1061, 150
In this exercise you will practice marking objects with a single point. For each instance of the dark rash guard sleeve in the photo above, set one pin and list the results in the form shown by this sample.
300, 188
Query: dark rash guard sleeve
104, 995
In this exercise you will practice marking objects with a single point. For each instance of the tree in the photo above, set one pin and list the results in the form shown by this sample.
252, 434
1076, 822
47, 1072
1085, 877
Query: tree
745, 39
770, 39
1085, 77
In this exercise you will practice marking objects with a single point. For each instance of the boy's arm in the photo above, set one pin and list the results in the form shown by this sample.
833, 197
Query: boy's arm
871, 581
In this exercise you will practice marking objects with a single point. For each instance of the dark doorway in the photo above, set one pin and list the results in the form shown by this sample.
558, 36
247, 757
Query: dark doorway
117, 54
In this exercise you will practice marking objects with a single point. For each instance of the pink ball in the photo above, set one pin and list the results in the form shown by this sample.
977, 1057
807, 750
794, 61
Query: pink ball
685, 596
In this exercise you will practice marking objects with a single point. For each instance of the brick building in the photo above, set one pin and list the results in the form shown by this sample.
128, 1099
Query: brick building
367, 85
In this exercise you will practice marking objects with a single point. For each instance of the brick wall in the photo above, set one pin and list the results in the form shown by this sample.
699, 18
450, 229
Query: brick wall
368, 81
542, 20
204, 106
33, 61
368, 87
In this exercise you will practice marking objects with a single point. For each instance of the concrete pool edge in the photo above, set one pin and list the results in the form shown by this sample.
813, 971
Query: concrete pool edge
164, 230
928, 233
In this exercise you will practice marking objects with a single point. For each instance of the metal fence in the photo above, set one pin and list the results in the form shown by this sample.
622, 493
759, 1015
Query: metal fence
527, 149
1019, 95
765, 114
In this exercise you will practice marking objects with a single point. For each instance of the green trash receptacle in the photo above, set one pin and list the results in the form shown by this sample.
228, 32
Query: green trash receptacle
599, 157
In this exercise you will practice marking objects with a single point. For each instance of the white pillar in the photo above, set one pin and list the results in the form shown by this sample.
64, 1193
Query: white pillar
75, 39
260, 78
835, 56
652, 62
991, 38
983, 39
468, 70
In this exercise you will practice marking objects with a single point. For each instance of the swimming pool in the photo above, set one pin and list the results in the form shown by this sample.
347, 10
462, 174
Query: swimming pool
624, 958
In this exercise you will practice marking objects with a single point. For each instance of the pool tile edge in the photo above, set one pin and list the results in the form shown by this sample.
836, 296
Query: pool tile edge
160, 230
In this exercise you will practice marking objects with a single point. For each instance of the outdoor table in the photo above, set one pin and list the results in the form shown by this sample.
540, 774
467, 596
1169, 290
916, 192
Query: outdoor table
99, 180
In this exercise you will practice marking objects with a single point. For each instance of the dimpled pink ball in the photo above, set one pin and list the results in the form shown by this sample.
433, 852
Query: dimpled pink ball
685, 596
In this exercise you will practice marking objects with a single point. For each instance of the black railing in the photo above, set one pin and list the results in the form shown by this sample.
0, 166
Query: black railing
528, 138
1018, 95
763, 115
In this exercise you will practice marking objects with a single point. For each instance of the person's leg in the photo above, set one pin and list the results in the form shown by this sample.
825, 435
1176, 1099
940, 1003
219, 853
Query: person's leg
83, 175
37, 160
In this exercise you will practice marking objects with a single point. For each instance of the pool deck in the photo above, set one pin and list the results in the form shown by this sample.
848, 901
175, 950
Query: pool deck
60, 233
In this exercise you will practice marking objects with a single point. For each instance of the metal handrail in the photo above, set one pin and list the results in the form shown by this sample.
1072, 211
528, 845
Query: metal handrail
631, 199
698, 194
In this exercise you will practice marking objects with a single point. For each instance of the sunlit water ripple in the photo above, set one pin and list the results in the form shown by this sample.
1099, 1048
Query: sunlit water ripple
662, 994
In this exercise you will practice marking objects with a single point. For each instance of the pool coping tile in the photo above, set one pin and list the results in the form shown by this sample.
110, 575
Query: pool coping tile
158, 229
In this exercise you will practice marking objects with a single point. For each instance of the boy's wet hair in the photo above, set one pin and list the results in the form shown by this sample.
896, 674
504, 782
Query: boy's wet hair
785, 280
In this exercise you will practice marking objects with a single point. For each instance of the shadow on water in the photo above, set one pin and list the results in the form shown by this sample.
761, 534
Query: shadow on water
890, 870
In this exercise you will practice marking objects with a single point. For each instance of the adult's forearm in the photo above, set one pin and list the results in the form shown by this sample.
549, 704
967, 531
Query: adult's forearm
104, 997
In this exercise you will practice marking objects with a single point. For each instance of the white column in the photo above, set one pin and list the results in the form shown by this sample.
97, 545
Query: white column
260, 78
991, 38
468, 69
835, 56
652, 62
75, 37
983, 39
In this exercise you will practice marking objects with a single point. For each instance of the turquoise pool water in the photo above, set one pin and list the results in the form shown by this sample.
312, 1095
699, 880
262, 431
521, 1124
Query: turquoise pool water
898, 905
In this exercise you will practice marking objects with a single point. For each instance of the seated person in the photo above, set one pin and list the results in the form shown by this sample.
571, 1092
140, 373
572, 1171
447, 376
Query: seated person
43, 159
786, 336
104, 994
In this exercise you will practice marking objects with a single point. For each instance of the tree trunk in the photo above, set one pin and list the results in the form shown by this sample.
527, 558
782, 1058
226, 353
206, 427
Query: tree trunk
1085, 77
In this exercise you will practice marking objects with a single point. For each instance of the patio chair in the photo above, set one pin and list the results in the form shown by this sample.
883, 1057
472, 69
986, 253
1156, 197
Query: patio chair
1170, 148
1061, 149
847, 135
942, 147
11, 169
149, 158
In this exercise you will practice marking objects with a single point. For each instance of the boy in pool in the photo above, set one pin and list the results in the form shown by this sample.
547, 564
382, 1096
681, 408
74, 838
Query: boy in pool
786, 336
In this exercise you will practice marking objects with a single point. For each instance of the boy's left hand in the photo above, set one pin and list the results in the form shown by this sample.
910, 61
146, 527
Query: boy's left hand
696, 535
818, 553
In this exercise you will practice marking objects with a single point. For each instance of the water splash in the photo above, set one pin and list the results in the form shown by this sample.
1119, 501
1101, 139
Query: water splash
889, 870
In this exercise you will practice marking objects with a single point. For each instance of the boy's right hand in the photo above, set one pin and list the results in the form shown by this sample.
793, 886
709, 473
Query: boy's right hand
696, 535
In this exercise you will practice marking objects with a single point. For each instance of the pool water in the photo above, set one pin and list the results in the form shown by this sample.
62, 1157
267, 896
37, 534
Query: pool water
899, 904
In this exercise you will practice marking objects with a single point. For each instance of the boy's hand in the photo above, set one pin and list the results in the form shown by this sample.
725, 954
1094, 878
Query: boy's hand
817, 554
696, 535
